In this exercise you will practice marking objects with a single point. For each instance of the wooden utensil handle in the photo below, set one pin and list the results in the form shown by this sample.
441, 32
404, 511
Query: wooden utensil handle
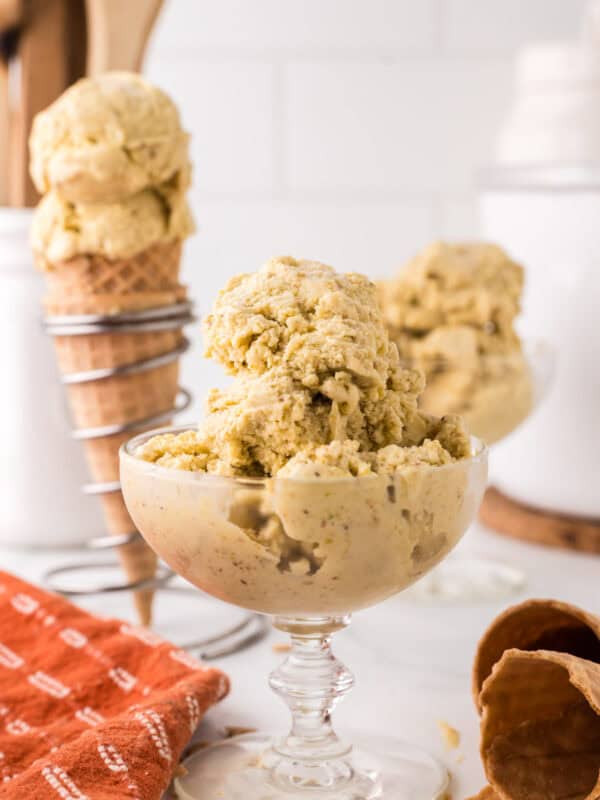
118, 32
43, 75
11, 13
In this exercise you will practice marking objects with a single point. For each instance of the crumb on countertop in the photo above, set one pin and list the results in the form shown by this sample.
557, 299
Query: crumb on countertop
450, 735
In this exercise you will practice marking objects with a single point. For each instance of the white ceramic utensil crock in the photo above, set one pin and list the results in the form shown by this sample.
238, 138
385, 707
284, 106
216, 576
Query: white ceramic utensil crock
41, 467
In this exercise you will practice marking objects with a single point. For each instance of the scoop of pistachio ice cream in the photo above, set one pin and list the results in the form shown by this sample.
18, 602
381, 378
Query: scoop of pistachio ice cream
314, 366
475, 285
304, 315
61, 230
451, 311
106, 138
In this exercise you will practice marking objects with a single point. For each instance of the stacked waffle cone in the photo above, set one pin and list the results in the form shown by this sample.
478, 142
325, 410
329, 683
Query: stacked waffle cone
536, 683
108, 250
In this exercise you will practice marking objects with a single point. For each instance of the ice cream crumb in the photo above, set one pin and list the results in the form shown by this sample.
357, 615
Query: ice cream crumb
450, 735
237, 730
281, 647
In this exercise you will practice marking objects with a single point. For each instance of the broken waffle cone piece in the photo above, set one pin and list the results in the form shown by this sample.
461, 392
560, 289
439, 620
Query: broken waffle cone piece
537, 625
540, 728
486, 794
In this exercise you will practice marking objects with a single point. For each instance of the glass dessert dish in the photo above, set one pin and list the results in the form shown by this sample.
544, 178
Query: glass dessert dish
307, 551
494, 395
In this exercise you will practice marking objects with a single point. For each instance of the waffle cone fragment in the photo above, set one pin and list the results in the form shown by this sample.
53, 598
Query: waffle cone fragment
536, 625
96, 285
540, 704
486, 794
540, 727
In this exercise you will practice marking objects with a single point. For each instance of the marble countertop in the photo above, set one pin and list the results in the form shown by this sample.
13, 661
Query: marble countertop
411, 660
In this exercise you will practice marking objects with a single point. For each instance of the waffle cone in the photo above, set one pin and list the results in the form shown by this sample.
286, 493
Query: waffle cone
155, 269
95, 351
139, 562
540, 703
536, 625
124, 398
96, 285
540, 727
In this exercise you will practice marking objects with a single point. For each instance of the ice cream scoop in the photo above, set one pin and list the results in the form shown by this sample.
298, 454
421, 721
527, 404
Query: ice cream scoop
62, 230
107, 138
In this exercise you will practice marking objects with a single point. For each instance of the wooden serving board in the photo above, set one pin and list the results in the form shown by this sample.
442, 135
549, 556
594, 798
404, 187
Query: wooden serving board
541, 527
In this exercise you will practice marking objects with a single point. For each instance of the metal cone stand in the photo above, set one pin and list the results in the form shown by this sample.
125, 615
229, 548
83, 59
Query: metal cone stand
230, 640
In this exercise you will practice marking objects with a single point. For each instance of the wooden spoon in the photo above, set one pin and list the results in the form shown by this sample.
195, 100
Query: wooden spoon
11, 13
118, 32
4, 130
43, 76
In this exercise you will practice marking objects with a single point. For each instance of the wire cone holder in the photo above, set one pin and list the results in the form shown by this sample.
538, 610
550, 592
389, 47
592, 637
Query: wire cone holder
121, 374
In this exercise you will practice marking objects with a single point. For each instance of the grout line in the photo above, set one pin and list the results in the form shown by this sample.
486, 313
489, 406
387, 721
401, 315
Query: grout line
437, 216
279, 131
341, 199
439, 24
325, 55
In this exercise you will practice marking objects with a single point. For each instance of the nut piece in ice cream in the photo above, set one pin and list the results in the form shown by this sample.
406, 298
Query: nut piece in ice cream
106, 138
451, 312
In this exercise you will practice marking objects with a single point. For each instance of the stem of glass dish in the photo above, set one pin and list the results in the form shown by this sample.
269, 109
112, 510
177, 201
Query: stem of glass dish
311, 681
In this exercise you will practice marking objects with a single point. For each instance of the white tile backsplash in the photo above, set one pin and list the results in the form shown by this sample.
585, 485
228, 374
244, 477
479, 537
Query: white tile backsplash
295, 24
239, 237
228, 107
420, 127
499, 26
459, 220
344, 130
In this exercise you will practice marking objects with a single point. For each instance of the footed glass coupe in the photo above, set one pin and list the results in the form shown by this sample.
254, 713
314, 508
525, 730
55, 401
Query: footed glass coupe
494, 399
308, 552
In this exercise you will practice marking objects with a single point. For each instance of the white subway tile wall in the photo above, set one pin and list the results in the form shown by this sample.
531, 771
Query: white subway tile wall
349, 131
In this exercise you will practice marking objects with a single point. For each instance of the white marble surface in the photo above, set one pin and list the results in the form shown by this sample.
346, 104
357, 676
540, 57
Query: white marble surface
412, 662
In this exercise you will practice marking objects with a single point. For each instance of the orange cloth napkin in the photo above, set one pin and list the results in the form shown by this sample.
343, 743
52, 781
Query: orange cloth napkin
91, 709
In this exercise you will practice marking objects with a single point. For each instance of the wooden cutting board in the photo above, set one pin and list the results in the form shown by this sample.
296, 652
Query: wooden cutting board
510, 518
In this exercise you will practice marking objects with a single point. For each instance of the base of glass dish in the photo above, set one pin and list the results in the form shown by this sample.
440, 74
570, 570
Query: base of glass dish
246, 768
466, 579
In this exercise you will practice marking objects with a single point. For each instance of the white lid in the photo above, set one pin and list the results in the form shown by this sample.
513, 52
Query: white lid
558, 62
555, 116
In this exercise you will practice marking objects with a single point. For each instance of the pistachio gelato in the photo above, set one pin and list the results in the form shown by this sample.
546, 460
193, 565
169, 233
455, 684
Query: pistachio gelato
325, 488
313, 365
106, 138
451, 311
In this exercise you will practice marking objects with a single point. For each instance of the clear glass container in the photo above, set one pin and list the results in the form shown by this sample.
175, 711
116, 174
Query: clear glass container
494, 396
308, 552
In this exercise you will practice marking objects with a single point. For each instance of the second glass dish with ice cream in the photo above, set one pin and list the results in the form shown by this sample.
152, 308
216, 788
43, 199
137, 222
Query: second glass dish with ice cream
452, 312
313, 488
